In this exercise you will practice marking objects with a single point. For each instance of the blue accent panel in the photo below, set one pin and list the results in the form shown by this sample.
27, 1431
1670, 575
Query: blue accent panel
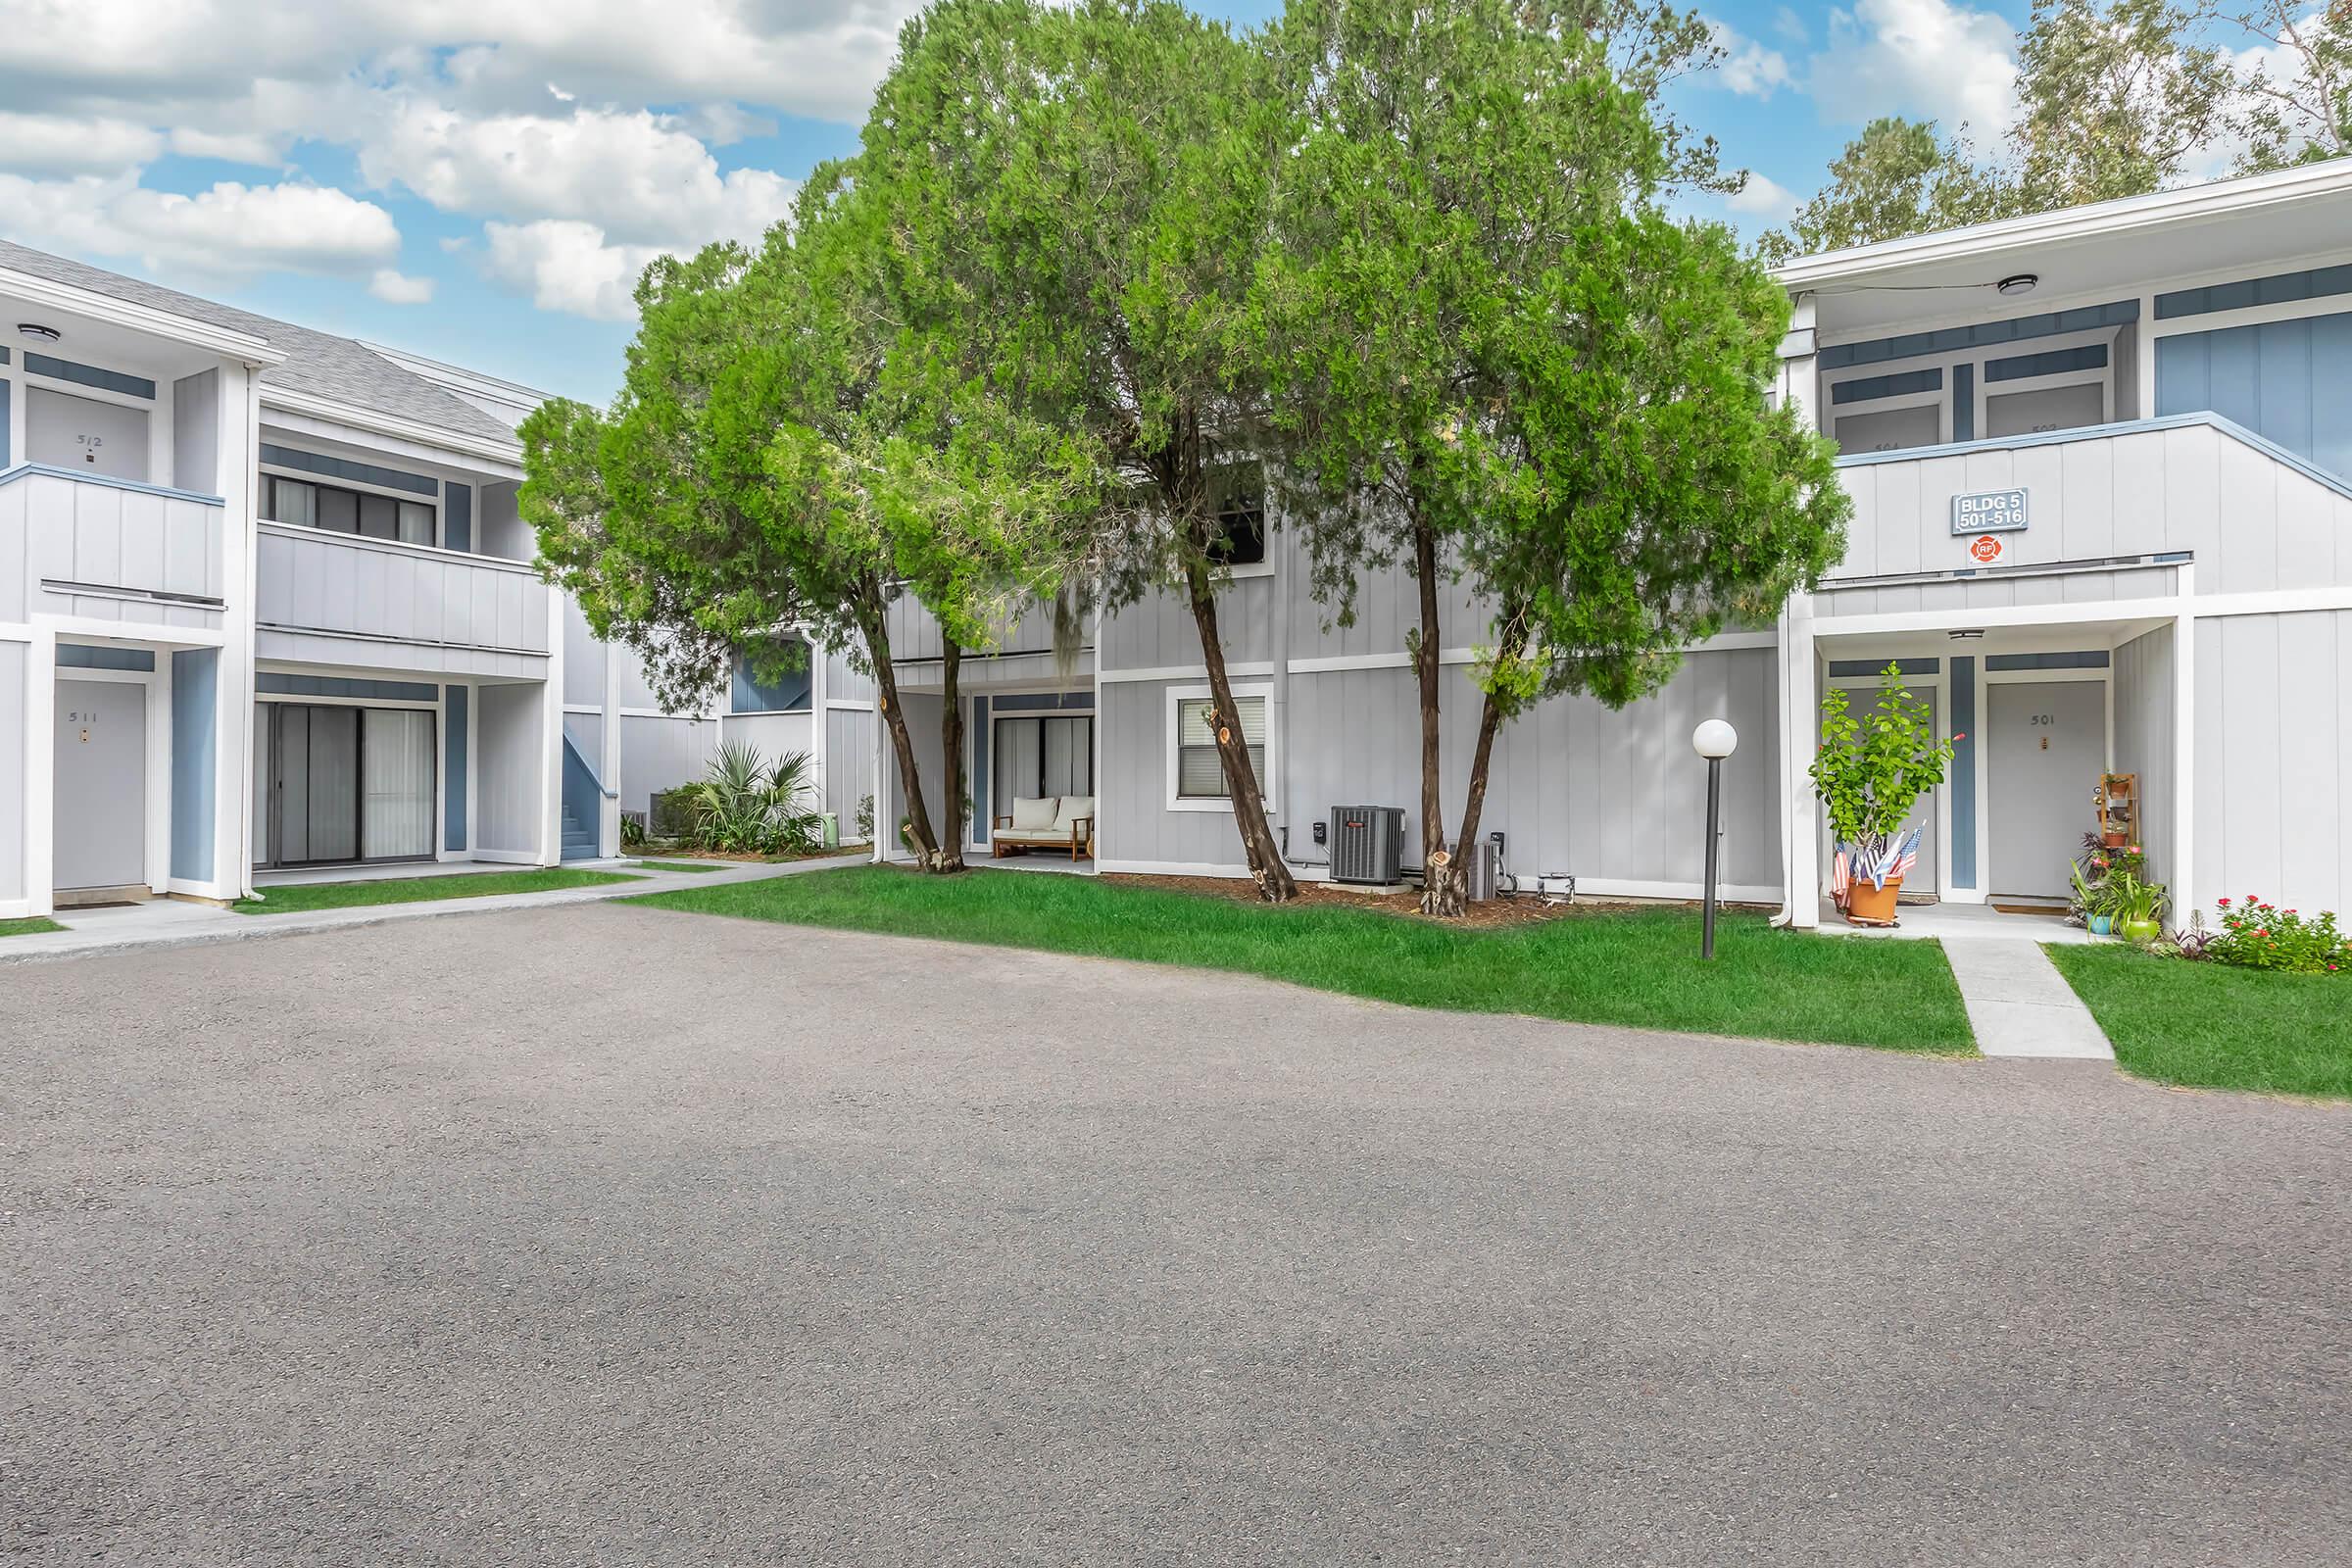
583, 801
457, 519
343, 468
981, 725
789, 695
81, 656
2288, 381
23, 471
195, 759
2091, 659
2279, 288
3, 356
1877, 667
5, 387
454, 732
2054, 362
1045, 702
1888, 386
1985, 334
388, 690
2335, 482
1964, 403
58, 370
1961, 697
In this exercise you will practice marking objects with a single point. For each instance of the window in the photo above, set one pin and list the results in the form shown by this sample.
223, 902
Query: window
1200, 774
1241, 520
336, 510
787, 693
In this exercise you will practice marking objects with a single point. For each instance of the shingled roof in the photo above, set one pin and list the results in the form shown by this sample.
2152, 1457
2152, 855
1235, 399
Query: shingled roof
318, 363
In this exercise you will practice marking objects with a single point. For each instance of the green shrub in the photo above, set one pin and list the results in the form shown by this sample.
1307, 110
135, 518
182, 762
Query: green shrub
2255, 935
744, 805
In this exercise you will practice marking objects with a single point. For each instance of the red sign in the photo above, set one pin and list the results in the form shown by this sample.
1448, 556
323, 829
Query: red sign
1986, 549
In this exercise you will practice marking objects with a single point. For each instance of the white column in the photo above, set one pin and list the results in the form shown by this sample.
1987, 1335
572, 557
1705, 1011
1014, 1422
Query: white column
40, 772
816, 728
2185, 890
1800, 848
551, 748
607, 814
234, 684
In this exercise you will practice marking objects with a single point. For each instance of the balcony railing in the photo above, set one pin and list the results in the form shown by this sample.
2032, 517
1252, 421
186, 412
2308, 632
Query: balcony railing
105, 549
343, 585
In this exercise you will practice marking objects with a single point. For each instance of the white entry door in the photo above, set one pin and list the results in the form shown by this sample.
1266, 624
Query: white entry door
2046, 748
101, 802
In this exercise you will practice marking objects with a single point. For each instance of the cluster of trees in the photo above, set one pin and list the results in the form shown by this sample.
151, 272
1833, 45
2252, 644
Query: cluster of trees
2116, 98
1412, 260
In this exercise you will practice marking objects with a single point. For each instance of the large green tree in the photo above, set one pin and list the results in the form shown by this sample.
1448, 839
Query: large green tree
2296, 91
1495, 361
1104, 167
1898, 177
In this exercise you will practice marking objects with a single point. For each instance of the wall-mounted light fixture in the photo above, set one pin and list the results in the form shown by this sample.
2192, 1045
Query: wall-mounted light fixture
34, 329
2017, 285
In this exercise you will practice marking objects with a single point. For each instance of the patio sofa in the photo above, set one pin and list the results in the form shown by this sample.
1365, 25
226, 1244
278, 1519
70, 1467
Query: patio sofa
1046, 822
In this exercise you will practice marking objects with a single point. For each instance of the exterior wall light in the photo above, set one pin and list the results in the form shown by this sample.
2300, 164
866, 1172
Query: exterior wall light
2017, 285
1714, 740
34, 329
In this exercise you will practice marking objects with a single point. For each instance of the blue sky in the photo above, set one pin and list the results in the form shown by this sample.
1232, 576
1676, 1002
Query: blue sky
479, 181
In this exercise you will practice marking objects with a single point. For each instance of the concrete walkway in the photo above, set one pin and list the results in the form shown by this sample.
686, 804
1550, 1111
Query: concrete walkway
175, 922
2018, 1003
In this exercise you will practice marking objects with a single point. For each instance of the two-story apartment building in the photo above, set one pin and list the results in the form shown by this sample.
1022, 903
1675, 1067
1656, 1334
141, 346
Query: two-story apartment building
2101, 463
265, 602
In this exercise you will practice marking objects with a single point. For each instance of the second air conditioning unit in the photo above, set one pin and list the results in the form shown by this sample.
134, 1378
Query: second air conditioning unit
1367, 844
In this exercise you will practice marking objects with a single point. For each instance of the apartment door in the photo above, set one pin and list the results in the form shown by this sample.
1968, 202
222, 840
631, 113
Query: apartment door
2046, 746
101, 771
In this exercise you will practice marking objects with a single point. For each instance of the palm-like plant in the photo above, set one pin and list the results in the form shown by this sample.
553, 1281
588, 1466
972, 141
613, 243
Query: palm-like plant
744, 805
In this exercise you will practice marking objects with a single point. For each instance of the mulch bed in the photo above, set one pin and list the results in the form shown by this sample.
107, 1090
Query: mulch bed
1516, 909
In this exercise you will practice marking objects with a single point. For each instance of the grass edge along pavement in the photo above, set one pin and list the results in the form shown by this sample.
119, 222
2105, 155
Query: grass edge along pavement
1632, 967
31, 925
683, 865
305, 898
2213, 1026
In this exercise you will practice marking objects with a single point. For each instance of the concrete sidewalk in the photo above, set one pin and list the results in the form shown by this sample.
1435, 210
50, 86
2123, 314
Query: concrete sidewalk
2018, 1003
174, 922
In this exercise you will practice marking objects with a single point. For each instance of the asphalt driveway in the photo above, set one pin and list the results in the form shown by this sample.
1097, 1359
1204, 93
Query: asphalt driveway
605, 1235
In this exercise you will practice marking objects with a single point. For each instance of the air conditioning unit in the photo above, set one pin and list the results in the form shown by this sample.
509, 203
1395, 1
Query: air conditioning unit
1367, 844
1484, 870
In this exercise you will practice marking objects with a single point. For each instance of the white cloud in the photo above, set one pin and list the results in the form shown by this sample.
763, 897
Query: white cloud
1924, 59
1762, 197
635, 176
567, 265
1789, 26
1747, 69
74, 144
227, 231
394, 287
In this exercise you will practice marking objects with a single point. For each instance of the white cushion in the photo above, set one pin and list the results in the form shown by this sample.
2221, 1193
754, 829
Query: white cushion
1033, 815
1073, 807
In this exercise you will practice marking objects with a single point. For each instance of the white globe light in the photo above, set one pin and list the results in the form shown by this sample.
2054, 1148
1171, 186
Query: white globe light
1714, 738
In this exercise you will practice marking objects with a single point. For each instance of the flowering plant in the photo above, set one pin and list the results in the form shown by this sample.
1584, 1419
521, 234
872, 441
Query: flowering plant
2256, 935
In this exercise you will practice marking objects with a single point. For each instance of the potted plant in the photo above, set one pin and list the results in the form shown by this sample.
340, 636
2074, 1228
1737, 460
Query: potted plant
2092, 899
1870, 769
2138, 905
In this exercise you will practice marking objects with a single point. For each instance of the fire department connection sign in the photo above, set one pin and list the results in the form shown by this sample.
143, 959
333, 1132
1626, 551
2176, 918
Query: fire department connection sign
1990, 512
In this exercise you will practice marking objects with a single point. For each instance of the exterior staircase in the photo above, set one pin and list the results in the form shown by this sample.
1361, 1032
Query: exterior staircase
579, 838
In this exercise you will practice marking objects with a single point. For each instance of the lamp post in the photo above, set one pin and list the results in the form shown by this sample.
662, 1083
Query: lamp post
1713, 740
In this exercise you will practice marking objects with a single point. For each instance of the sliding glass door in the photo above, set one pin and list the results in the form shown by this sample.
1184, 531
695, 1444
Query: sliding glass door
350, 784
1043, 756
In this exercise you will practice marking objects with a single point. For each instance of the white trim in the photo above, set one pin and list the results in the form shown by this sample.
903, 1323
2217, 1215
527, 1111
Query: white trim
2184, 870
220, 340
405, 705
394, 547
505, 856
1268, 787
2221, 199
40, 772
1241, 669
2250, 315
505, 456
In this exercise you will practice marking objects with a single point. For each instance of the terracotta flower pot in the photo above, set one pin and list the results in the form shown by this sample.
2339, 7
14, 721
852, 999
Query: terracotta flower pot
1875, 905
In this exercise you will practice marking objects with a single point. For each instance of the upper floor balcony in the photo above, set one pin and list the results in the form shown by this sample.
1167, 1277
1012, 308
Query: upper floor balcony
92, 547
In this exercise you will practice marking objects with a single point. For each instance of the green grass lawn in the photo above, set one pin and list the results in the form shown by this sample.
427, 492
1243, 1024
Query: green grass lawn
681, 865
304, 896
2216, 1027
30, 926
1641, 968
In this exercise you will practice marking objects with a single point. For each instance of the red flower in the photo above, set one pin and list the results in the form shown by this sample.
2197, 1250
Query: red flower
2224, 904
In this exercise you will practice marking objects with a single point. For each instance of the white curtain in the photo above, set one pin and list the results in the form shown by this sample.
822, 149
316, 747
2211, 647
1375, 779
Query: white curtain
396, 815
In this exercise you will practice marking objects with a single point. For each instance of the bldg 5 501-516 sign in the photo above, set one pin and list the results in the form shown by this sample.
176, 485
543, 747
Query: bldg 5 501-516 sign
1990, 512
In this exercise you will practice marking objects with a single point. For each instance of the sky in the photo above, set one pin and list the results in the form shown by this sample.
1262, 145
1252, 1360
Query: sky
481, 180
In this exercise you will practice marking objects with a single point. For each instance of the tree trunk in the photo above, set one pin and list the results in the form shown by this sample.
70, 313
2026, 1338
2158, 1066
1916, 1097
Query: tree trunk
1275, 884
1453, 896
1441, 888
950, 743
886, 697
